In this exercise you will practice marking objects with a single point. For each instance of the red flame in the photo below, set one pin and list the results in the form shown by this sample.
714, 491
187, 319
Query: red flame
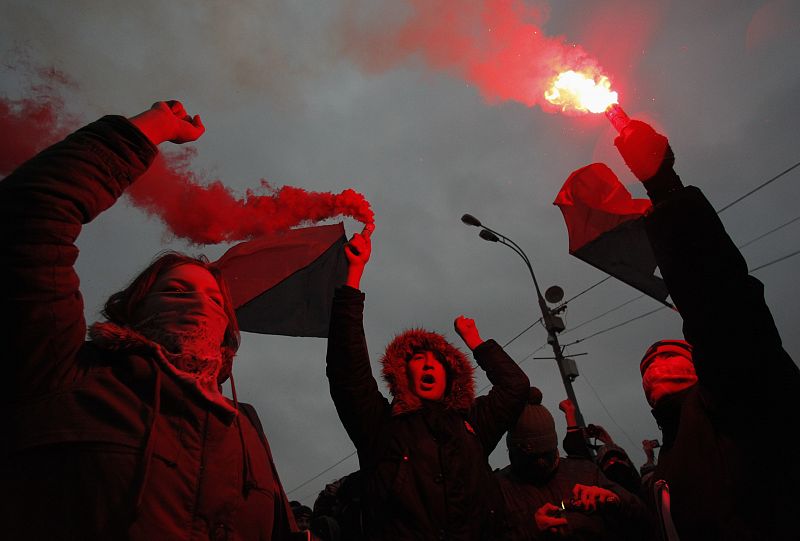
584, 92
497, 45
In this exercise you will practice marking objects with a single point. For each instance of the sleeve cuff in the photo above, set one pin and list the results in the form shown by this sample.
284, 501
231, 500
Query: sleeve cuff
347, 292
662, 184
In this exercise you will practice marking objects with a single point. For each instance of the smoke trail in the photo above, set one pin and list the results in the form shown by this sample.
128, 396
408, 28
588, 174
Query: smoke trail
211, 213
497, 45
171, 190
32, 123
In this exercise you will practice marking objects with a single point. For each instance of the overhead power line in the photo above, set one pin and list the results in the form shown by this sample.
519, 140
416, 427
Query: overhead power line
754, 190
617, 307
526, 329
585, 290
771, 231
326, 470
627, 437
765, 265
618, 325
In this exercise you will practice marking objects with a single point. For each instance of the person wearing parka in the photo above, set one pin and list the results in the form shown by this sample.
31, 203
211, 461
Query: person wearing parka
726, 477
423, 457
109, 438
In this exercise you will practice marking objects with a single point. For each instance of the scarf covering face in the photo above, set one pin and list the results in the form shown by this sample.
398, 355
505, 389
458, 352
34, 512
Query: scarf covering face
190, 327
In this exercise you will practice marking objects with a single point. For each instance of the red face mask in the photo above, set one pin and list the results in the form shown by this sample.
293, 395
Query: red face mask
427, 376
184, 313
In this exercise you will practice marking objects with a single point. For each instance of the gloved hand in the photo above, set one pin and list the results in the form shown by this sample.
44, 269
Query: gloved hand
644, 150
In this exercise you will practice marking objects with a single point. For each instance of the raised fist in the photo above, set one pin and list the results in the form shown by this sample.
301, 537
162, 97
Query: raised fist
168, 121
466, 329
644, 150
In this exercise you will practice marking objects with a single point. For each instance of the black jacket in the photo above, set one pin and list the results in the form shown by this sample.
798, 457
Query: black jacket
424, 467
727, 479
627, 520
100, 441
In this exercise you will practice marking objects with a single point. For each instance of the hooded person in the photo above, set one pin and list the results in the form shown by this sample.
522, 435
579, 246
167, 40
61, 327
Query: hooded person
568, 498
126, 435
423, 456
725, 393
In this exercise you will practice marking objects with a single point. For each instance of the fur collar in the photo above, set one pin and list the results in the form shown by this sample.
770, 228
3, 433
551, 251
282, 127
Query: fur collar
112, 337
460, 393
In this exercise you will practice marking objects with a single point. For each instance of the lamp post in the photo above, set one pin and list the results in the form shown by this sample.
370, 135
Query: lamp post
552, 322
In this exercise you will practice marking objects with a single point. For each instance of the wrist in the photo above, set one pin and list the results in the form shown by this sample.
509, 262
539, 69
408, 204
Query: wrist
354, 277
662, 184
151, 125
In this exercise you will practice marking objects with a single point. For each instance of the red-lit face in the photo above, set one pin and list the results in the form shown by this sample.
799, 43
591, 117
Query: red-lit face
185, 302
427, 376
667, 374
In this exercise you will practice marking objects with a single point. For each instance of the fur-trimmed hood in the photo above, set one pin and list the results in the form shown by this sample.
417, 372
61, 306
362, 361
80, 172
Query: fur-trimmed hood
460, 391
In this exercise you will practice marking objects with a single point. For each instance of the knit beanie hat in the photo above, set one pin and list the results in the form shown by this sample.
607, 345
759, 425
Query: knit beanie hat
535, 429
672, 374
669, 347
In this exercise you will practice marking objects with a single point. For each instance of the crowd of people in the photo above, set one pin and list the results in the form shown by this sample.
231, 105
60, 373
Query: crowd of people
127, 435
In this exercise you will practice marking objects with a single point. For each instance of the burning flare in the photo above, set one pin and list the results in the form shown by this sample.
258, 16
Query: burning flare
571, 90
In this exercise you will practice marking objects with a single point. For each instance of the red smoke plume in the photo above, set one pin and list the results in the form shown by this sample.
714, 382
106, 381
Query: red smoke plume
497, 45
211, 214
32, 123
170, 189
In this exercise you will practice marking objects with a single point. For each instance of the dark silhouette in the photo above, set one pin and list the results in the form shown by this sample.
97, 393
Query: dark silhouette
721, 396
547, 496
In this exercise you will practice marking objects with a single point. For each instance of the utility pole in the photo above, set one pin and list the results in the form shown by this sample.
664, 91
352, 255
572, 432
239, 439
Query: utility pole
552, 322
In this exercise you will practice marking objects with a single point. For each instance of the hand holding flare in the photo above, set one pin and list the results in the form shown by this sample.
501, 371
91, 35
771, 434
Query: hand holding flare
644, 150
358, 252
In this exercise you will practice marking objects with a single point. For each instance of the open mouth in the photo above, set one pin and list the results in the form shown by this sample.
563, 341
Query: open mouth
428, 378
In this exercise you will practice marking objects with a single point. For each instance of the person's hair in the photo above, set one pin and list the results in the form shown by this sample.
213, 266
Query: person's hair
121, 306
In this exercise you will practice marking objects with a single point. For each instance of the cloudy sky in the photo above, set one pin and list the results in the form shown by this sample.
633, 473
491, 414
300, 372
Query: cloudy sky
334, 95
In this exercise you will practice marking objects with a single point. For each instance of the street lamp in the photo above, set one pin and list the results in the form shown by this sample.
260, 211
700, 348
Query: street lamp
552, 322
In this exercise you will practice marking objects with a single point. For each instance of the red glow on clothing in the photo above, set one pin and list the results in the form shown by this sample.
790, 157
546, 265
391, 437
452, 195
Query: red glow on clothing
469, 428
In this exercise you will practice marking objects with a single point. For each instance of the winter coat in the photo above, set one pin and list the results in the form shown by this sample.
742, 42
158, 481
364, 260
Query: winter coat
627, 520
727, 480
101, 442
424, 467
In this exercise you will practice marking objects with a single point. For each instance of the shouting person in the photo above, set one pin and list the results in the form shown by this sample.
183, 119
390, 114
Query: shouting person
423, 456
